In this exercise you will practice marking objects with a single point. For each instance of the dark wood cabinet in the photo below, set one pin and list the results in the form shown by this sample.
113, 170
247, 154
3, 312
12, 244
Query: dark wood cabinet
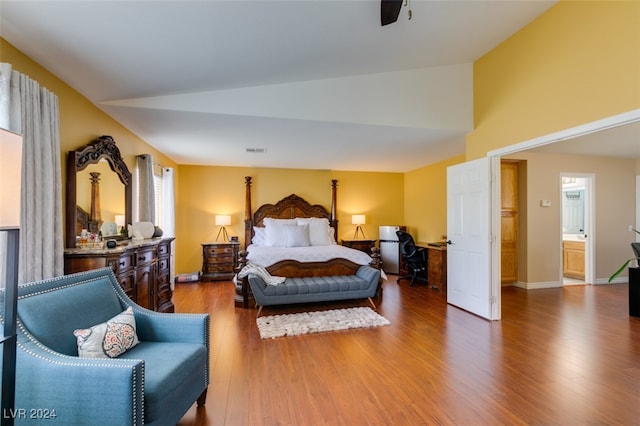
142, 268
219, 261
437, 266
163, 279
362, 245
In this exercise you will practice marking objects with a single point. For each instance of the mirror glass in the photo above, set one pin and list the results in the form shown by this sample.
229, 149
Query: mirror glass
110, 200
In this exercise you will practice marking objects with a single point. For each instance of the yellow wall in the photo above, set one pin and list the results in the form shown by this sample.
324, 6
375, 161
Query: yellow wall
206, 191
576, 63
425, 194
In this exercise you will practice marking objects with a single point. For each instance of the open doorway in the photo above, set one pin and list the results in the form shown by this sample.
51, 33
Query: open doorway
577, 211
621, 128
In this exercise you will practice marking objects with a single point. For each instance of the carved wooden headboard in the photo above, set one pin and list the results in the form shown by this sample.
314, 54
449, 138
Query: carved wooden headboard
289, 207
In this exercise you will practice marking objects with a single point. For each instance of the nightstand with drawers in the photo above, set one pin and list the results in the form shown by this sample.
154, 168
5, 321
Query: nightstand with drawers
362, 245
219, 261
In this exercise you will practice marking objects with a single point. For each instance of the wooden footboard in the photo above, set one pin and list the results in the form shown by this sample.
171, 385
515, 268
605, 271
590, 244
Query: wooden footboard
295, 269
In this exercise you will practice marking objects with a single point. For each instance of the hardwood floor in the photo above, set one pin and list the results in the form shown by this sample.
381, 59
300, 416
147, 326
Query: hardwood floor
566, 356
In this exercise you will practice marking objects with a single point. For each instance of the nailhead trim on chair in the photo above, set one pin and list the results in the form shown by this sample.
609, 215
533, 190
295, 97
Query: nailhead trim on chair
135, 397
54, 289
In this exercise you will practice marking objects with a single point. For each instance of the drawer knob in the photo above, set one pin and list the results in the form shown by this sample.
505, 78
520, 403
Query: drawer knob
142, 258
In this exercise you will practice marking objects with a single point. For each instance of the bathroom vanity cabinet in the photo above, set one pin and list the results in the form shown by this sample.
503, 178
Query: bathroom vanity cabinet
573, 259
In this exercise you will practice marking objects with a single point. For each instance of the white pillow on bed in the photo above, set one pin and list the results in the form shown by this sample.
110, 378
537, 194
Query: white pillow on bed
297, 235
275, 232
318, 230
259, 236
275, 235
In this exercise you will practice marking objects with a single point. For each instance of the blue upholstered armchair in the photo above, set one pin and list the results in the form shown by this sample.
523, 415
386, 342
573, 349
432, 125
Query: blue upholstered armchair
154, 382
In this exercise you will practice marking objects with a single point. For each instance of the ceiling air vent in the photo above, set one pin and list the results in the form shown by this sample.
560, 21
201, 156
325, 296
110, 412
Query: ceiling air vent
255, 150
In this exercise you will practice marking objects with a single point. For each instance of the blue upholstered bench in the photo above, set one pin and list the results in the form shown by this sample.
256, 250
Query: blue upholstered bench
154, 382
362, 285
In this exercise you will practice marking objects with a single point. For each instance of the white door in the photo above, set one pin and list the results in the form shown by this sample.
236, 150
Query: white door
469, 284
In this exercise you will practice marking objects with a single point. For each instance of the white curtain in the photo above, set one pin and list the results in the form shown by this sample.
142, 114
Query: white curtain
168, 203
10, 117
32, 111
168, 215
145, 200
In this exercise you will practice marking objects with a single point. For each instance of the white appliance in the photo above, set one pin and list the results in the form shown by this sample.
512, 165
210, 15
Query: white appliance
390, 248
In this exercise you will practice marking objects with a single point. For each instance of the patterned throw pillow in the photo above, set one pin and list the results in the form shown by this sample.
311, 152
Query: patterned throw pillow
109, 339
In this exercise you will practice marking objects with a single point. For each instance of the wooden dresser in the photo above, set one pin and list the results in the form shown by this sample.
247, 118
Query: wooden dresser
219, 261
143, 269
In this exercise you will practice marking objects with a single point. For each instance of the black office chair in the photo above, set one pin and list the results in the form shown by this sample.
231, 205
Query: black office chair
415, 258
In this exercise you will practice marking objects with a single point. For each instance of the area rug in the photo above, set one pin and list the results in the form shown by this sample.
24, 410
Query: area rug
274, 326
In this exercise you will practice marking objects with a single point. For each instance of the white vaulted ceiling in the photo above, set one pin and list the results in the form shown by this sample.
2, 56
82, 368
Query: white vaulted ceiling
316, 84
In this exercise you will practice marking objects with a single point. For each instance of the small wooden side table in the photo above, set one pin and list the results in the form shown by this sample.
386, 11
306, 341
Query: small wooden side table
437, 266
362, 245
219, 261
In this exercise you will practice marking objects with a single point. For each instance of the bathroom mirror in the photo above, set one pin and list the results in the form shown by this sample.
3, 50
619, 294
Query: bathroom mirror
91, 170
573, 205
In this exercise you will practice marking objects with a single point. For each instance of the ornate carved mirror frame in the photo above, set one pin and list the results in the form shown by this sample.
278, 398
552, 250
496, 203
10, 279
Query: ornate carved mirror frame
103, 147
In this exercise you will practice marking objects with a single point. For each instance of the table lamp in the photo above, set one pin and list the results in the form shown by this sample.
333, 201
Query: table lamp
223, 220
358, 220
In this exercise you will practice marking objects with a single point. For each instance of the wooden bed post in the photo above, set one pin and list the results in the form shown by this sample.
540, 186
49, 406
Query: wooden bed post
248, 225
334, 209
242, 288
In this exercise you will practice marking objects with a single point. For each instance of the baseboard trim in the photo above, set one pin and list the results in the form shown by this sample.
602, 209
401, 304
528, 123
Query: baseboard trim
555, 284
535, 286
619, 280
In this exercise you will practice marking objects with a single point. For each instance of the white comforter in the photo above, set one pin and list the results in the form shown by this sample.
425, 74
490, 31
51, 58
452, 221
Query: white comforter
267, 256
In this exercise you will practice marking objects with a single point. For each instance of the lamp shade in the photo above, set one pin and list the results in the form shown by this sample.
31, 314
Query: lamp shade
358, 219
223, 219
10, 178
